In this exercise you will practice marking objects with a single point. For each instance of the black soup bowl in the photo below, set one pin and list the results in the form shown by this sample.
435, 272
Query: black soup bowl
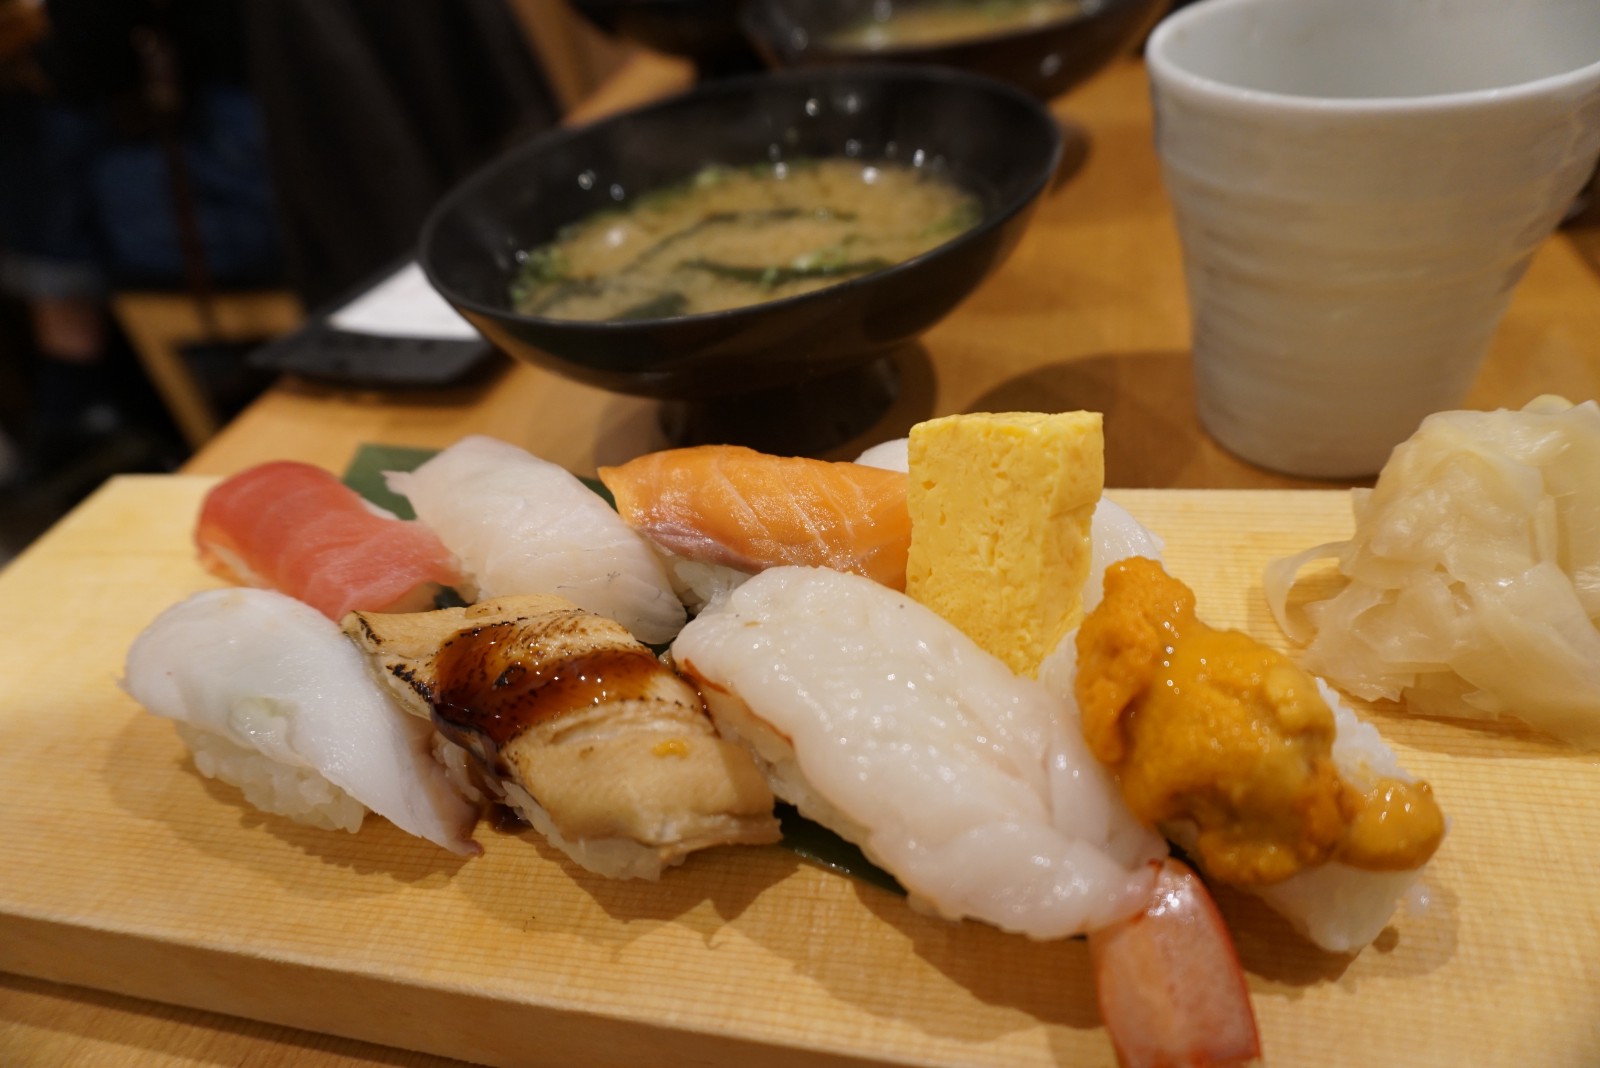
990, 139
1045, 58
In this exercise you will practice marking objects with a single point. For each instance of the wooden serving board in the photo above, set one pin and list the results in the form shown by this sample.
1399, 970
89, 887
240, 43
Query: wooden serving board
130, 872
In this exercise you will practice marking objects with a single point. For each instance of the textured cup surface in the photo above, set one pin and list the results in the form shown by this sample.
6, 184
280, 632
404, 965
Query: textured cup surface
1359, 185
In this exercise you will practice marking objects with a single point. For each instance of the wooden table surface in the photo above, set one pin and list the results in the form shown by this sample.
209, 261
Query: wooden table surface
1088, 313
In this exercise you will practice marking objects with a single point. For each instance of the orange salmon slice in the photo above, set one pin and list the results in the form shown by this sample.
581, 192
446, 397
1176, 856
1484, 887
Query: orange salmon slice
729, 505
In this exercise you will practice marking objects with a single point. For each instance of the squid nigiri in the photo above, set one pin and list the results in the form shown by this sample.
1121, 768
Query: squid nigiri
520, 524
297, 529
577, 726
882, 721
272, 699
739, 508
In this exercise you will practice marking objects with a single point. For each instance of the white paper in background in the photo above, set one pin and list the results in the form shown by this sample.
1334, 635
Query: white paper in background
403, 305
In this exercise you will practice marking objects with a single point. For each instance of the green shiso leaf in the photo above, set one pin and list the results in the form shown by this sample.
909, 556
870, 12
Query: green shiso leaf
599, 487
365, 474
821, 846
810, 840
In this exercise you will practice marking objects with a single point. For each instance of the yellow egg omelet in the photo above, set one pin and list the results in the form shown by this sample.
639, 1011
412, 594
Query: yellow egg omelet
1000, 506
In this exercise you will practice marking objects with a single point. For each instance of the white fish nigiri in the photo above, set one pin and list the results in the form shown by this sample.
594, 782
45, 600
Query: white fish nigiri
520, 524
882, 721
273, 699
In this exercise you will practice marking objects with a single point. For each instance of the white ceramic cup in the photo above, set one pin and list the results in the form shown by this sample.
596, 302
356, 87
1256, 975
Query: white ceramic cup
1359, 184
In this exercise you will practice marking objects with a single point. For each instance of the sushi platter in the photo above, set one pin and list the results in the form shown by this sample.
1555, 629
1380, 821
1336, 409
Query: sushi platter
132, 873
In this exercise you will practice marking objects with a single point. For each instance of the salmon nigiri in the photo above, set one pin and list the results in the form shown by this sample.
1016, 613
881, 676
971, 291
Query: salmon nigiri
297, 529
739, 508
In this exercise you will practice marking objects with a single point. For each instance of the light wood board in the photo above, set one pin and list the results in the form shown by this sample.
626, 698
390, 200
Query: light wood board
129, 872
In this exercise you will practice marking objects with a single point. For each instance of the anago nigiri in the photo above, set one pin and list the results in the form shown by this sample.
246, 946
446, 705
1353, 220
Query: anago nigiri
576, 726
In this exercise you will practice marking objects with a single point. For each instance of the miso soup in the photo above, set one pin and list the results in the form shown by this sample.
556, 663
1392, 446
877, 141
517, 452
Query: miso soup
731, 237
938, 22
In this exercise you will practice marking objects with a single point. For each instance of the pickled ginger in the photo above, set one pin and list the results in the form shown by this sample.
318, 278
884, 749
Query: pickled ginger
1474, 574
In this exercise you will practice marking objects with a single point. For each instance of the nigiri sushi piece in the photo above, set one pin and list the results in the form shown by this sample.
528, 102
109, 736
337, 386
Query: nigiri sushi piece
1169, 983
297, 529
1255, 768
577, 726
891, 455
738, 508
885, 723
1114, 534
271, 698
1341, 907
520, 524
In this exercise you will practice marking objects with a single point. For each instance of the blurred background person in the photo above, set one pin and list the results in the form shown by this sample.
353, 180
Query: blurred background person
131, 155
204, 145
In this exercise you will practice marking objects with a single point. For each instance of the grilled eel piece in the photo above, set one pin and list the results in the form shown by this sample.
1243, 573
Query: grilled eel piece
576, 726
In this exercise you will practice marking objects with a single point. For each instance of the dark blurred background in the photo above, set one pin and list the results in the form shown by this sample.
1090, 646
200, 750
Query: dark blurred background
180, 179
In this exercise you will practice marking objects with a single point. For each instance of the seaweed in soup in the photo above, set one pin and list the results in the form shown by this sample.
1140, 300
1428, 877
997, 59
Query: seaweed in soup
730, 237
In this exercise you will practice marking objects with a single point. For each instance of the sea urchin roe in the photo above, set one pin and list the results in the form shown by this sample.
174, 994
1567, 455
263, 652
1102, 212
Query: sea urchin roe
1212, 730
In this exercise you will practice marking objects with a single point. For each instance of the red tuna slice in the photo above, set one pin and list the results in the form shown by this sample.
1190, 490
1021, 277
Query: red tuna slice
297, 529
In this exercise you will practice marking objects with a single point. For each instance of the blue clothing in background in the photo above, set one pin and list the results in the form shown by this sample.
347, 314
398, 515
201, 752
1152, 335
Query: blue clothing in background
84, 207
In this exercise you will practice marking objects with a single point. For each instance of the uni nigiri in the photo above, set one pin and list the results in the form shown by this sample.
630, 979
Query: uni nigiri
297, 529
735, 507
520, 524
271, 698
577, 726
1245, 760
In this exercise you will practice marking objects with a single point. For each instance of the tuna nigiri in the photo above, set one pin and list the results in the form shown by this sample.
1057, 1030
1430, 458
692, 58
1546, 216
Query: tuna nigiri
747, 510
297, 529
520, 524
577, 726
273, 699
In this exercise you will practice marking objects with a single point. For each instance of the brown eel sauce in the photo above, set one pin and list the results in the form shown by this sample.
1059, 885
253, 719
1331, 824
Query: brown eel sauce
497, 681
